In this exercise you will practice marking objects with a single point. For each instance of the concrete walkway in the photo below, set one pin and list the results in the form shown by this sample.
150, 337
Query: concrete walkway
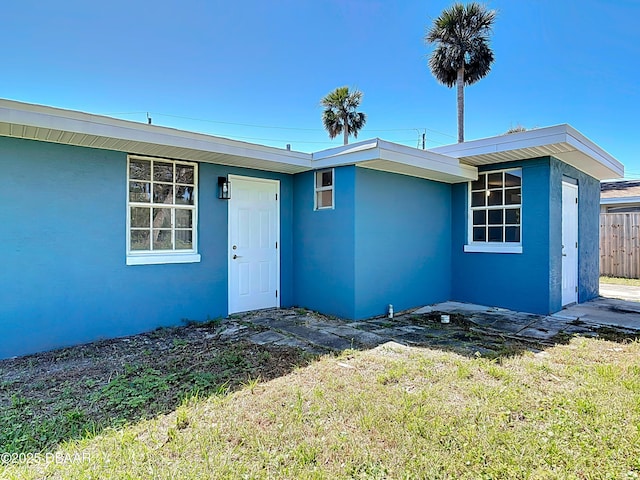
473, 329
622, 292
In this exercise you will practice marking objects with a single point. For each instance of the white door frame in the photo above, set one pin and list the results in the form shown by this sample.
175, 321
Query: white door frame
230, 253
570, 251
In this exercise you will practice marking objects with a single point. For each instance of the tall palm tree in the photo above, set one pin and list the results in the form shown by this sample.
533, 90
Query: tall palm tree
462, 55
340, 114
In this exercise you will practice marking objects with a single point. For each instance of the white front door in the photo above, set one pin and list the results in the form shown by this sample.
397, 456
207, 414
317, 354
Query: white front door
569, 243
254, 237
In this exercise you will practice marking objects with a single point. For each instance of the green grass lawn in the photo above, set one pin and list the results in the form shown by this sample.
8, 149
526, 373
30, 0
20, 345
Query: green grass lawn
571, 411
634, 282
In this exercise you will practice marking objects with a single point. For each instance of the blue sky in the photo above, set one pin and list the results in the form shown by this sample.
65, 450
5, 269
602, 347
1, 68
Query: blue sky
256, 70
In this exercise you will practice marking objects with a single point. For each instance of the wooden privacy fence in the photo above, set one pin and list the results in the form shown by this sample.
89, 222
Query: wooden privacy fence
620, 245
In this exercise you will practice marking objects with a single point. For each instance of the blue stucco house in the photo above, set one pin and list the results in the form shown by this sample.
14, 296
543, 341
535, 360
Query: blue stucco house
113, 227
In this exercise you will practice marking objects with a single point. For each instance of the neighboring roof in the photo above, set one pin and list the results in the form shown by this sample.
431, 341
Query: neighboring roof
622, 191
561, 141
450, 164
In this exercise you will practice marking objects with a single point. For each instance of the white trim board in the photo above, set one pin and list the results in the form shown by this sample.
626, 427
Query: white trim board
561, 141
450, 164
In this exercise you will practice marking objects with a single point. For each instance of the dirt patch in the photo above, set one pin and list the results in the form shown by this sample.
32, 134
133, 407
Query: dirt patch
72, 392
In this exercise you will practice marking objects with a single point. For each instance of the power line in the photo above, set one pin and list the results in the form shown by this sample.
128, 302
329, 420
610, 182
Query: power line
275, 127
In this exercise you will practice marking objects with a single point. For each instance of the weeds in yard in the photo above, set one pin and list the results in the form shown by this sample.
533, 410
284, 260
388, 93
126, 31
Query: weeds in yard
36, 414
569, 412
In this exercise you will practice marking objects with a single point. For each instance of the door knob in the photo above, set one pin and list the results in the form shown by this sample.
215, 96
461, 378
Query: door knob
236, 256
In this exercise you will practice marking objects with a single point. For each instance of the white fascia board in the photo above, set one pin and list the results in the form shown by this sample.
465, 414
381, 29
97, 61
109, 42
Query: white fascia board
345, 149
605, 165
504, 143
427, 161
376, 150
37, 116
619, 200
586, 146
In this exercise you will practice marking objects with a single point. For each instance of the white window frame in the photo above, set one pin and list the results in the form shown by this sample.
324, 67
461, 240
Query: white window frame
317, 189
151, 257
486, 246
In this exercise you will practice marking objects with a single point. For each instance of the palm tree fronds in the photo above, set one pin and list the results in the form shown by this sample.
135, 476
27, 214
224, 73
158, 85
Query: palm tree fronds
339, 115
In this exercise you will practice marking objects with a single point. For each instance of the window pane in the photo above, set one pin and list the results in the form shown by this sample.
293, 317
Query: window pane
183, 218
512, 234
495, 180
327, 178
139, 192
184, 174
495, 234
479, 234
140, 170
184, 195
478, 199
513, 178
162, 240
163, 172
479, 217
479, 184
495, 217
495, 197
161, 218
184, 239
323, 198
139, 239
324, 178
140, 217
513, 196
512, 216
162, 193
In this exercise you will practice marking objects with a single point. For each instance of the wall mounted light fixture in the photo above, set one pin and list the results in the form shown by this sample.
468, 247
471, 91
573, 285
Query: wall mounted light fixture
224, 190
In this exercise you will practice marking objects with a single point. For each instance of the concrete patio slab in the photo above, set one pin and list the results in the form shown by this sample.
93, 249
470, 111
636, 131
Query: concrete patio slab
358, 336
453, 307
319, 337
606, 311
264, 338
475, 330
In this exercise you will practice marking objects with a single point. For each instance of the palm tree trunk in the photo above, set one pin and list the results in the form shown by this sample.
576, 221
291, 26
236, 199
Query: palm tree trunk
460, 85
346, 129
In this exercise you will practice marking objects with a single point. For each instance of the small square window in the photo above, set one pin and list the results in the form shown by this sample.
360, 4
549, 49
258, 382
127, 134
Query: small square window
324, 196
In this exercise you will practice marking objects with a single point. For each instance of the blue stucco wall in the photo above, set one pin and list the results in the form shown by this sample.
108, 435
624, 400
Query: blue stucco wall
390, 239
515, 281
324, 246
531, 281
64, 279
403, 242
588, 232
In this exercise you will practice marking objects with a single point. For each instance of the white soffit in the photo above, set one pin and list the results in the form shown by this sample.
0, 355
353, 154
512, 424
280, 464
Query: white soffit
391, 157
36, 122
561, 141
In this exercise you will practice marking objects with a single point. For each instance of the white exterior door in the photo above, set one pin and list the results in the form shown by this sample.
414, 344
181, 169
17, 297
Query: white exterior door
254, 237
569, 243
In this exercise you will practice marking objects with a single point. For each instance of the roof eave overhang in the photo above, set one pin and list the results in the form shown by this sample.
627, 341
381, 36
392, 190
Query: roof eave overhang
561, 141
385, 156
35, 122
